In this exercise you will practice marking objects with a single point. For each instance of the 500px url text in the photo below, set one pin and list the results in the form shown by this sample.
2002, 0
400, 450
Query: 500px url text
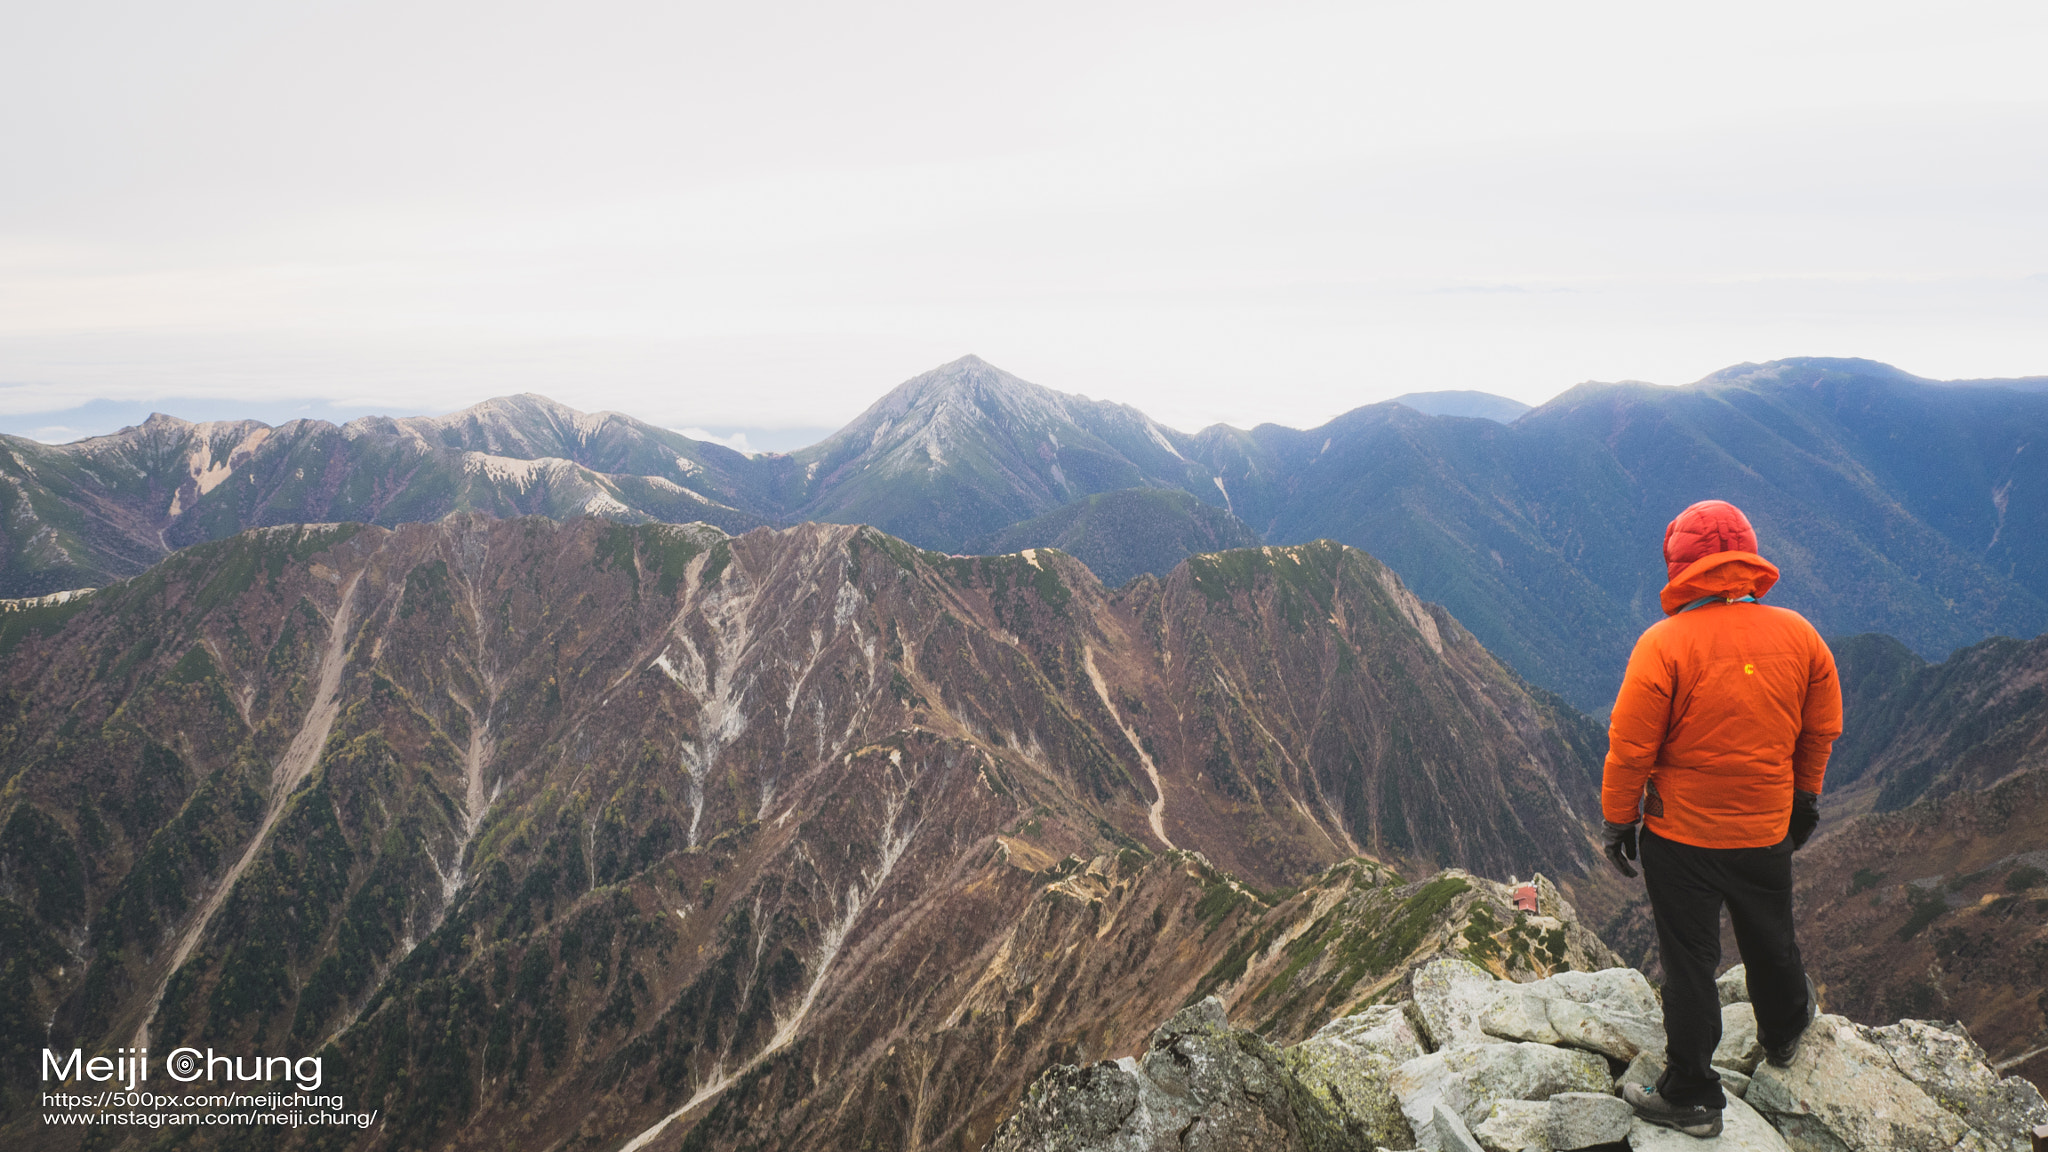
113, 1099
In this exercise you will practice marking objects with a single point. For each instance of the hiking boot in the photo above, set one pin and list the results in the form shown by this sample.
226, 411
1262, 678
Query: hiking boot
1781, 1055
1696, 1120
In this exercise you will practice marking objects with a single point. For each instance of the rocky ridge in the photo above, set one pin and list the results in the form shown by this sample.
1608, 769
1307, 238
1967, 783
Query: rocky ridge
1463, 1060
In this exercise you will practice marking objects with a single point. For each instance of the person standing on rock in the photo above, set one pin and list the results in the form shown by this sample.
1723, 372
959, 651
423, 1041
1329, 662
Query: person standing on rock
1718, 742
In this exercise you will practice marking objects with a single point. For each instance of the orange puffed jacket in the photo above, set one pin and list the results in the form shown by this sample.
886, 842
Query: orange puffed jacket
1727, 706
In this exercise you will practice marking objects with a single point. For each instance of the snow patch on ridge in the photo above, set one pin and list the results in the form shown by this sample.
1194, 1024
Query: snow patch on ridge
521, 474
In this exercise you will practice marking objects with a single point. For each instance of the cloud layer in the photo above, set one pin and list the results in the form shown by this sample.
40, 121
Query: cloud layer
742, 216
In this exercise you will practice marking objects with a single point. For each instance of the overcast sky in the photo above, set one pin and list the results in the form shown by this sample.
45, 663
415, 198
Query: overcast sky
764, 216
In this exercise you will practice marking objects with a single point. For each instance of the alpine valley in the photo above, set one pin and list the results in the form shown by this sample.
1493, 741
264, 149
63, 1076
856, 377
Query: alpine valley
566, 783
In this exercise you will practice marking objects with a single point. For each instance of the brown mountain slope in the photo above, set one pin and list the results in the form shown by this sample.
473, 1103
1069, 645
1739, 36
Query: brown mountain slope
1928, 895
1940, 911
548, 830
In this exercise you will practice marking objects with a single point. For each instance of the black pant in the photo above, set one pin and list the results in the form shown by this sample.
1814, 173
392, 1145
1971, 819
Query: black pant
1687, 887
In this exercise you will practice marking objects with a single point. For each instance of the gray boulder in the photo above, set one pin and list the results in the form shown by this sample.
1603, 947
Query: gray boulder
1468, 1078
1071, 1109
1202, 1086
1574, 1120
1739, 1048
1515, 1126
1381, 1029
1646, 1068
1742, 1130
1733, 985
1616, 989
1843, 1092
1450, 1133
1949, 1066
1347, 1065
1612, 1012
1451, 995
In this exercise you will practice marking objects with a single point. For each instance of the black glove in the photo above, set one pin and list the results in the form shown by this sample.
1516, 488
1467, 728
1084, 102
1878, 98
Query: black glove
1621, 846
1805, 817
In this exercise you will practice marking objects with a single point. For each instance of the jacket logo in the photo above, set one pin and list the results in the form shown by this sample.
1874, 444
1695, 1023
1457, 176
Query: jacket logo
1749, 669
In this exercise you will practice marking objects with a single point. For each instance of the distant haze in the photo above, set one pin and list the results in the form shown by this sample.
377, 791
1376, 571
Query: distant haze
1464, 402
753, 219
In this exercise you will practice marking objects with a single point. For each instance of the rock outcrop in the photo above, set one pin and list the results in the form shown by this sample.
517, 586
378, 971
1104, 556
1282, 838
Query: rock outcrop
1574, 1120
1468, 1060
1349, 1066
1612, 1012
1910, 1086
1469, 1078
1201, 1086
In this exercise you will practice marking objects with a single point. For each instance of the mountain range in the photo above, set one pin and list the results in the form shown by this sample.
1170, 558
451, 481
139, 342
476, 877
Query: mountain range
554, 833
1893, 503
567, 781
544, 832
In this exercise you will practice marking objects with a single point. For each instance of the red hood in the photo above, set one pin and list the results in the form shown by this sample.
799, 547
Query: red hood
1729, 574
